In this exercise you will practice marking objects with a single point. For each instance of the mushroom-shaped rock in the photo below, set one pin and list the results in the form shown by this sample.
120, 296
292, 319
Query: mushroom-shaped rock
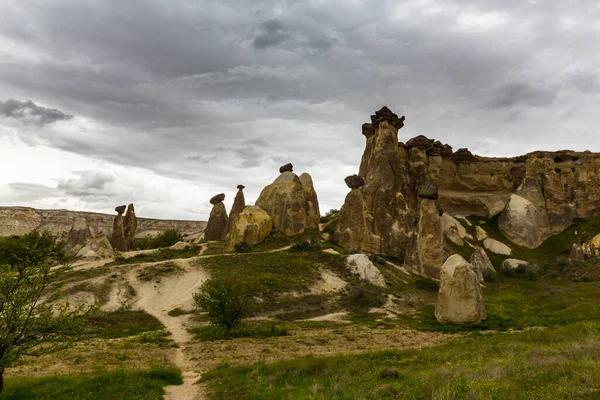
252, 225
313, 216
118, 233
429, 190
239, 203
463, 155
286, 168
241, 187
385, 114
354, 181
217, 222
130, 226
286, 203
79, 236
420, 141
218, 198
363, 267
459, 300
482, 265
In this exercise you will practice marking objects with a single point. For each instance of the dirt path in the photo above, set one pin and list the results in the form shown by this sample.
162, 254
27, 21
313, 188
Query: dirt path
158, 299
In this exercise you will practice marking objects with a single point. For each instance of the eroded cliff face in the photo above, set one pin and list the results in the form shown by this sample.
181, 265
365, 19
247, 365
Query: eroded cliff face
21, 220
537, 195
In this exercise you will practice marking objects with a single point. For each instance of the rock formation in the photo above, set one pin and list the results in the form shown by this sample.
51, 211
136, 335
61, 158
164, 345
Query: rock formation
361, 265
251, 226
217, 221
239, 203
97, 247
460, 300
576, 253
354, 181
291, 202
286, 168
118, 233
482, 265
538, 194
130, 226
497, 247
79, 236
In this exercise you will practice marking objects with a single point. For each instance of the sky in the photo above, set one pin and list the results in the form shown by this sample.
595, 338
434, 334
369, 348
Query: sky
167, 103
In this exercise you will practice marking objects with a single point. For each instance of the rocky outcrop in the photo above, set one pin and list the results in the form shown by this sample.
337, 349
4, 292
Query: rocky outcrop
286, 168
576, 253
130, 226
480, 233
239, 203
291, 202
117, 239
361, 265
79, 236
251, 226
460, 300
454, 230
482, 265
99, 247
354, 181
522, 223
497, 247
217, 221
22, 220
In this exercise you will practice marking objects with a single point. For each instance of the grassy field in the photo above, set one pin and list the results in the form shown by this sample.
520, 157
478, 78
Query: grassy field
125, 385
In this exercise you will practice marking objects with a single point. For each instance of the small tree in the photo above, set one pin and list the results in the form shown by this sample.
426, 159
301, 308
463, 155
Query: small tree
226, 300
28, 325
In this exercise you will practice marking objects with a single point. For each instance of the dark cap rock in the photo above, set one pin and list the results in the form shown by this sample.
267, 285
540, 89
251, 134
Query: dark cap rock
429, 190
120, 209
463, 155
241, 187
218, 198
421, 142
286, 168
354, 181
385, 114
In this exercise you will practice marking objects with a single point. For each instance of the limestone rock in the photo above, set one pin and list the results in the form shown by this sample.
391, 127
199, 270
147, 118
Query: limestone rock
522, 223
480, 233
118, 233
292, 207
460, 300
454, 230
216, 199
217, 221
463, 155
180, 246
251, 226
239, 203
286, 168
512, 264
577, 253
79, 236
352, 232
429, 190
98, 247
362, 266
496, 247
354, 181
482, 265
130, 226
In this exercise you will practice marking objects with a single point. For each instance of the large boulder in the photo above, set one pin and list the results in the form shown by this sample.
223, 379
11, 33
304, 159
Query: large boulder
118, 233
352, 231
497, 247
454, 230
460, 300
292, 207
482, 265
361, 265
251, 226
217, 222
79, 236
523, 223
239, 203
130, 224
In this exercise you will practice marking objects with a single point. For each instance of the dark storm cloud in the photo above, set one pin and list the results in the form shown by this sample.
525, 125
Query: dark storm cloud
87, 184
203, 91
29, 112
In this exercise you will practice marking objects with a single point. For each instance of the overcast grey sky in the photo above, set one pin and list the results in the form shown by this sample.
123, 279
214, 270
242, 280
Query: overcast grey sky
166, 103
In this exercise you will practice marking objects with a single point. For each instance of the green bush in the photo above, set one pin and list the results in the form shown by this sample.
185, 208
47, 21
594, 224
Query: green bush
164, 239
528, 270
243, 247
306, 244
226, 300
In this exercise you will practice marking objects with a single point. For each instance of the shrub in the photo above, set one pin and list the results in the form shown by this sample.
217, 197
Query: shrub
306, 244
527, 270
243, 247
489, 275
226, 300
363, 297
163, 239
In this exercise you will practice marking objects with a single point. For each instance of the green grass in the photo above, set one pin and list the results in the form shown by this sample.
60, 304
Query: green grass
155, 256
555, 363
125, 385
277, 240
121, 323
247, 330
158, 271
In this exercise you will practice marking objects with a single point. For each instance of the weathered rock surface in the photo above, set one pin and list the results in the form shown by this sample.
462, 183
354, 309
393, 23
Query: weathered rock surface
117, 239
429, 190
480, 233
592, 247
251, 226
217, 222
454, 230
292, 205
362, 266
496, 247
79, 236
286, 168
22, 220
239, 203
482, 265
130, 226
577, 253
460, 300
354, 181
522, 223
97, 247
218, 198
